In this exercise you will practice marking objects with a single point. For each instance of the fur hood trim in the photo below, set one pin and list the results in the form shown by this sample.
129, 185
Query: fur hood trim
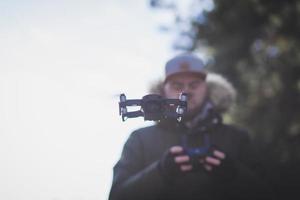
220, 91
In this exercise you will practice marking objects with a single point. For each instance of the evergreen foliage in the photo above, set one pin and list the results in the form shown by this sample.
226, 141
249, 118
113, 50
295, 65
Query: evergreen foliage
256, 45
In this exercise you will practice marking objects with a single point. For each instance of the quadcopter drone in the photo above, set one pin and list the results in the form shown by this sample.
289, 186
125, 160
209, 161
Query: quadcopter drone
154, 107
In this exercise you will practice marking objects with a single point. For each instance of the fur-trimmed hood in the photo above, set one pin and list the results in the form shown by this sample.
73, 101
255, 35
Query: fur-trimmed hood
220, 91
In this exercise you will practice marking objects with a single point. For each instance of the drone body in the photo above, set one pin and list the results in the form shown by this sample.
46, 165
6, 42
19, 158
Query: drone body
154, 107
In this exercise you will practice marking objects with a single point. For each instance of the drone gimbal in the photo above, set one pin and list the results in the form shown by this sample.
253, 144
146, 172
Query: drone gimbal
154, 107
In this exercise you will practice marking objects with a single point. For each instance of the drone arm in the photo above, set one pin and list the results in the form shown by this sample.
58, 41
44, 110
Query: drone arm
133, 102
172, 101
132, 114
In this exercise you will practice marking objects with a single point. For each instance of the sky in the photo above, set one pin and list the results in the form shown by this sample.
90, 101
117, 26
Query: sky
63, 64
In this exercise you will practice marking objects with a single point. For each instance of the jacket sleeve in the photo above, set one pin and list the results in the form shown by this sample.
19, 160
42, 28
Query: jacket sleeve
245, 176
133, 180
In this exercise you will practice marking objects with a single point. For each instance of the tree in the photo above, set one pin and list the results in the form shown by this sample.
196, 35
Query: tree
256, 45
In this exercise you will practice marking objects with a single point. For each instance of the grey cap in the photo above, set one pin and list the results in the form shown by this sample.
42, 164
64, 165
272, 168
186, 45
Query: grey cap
185, 63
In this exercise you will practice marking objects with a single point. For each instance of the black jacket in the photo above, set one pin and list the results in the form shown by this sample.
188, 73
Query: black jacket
137, 174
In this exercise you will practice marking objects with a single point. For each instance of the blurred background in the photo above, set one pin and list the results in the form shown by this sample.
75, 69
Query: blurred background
64, 63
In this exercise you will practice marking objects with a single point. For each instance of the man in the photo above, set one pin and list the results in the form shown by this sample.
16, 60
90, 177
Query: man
161, 162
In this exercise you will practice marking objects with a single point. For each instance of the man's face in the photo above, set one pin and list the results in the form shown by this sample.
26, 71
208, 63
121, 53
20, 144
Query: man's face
192, 84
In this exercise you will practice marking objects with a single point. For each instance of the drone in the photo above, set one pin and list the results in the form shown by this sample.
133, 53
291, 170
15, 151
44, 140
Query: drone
154, 107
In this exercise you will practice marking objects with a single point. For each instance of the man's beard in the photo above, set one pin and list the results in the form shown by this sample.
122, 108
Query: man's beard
190, 114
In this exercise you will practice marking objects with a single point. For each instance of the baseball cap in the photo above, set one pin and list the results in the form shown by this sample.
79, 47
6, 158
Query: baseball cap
185, 63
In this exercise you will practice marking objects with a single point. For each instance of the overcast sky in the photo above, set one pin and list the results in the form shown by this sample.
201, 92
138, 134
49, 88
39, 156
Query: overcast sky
63, 64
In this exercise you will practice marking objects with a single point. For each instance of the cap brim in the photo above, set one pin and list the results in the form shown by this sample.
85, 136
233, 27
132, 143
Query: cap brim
201, 75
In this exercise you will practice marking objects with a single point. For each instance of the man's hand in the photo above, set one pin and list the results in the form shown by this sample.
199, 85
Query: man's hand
181, 159
209, 162
175, 162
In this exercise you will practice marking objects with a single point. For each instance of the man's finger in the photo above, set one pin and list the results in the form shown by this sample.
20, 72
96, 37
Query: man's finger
219, 154
207, 167
181, 159
185, 168
176, 150
212, 161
